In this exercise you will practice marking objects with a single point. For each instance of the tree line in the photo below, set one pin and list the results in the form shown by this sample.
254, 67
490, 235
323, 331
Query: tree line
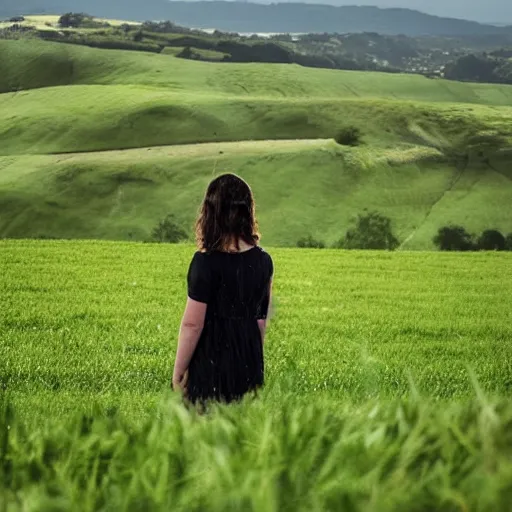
374, 231
457, 238
370, 231
495, 67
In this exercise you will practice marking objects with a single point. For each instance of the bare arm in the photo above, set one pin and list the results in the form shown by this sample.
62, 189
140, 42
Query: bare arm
191, 328
262, 324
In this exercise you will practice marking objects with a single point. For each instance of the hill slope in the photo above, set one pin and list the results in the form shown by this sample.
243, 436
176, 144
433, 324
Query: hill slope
35, 64
251, 17
86, 103
157, 100
302, 187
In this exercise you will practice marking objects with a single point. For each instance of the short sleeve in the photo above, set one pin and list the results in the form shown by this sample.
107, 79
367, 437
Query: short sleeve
265, 303
199, 278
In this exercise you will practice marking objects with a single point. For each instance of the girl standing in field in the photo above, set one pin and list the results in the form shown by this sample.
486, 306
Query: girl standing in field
220, 347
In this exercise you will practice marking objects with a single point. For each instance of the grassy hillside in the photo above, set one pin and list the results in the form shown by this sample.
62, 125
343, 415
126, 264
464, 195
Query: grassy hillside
92, 118
301, 187
33, 64
65, 99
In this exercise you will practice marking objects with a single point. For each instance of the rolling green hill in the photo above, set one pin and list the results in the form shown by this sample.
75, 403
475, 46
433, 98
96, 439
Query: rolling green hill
67, 113
301, 187
35, 64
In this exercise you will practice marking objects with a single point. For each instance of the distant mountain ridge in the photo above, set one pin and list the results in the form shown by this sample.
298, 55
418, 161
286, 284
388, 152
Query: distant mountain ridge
252, 17
490, 12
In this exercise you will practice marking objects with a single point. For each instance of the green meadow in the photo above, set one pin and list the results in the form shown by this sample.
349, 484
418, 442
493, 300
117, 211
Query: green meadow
388, 380
102, 144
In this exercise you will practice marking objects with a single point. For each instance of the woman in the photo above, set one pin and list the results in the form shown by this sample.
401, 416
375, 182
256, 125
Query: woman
220, 348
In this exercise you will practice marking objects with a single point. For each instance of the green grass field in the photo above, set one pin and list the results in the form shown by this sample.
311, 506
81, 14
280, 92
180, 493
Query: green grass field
68, 113
389, 378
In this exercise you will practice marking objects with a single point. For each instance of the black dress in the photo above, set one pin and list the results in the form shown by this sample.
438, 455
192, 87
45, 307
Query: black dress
228, 360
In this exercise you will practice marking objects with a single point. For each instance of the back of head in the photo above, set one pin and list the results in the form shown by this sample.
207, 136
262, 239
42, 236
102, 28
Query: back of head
227, 215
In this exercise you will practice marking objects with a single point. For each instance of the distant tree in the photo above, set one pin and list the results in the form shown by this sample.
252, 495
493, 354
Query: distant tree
73, 19
163, 27
481, 68
126, 27
477, 68
508, 242
453, 238
348, 136
309, 242
491, 240
371, 231
186, 53
286, 38
253, 52
17, 19
168, 231
138, 36
339, 244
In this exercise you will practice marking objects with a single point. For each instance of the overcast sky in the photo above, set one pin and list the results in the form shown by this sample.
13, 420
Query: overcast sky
485, 11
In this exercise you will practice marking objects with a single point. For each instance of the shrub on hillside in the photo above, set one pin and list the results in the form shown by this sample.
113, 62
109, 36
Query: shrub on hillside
165, 27
309, 242
508, 242
124, 45
348, 136
72, 19
138, 36
168, 231
453, 238
371, 231
80, 19
491, 240
186, 53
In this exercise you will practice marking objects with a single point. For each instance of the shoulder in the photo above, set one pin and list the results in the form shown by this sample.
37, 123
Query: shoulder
266, 258
199, 256
264, 253
203, 256
200, 260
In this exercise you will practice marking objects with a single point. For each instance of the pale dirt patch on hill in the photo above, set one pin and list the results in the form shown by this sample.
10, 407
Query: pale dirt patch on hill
200, 150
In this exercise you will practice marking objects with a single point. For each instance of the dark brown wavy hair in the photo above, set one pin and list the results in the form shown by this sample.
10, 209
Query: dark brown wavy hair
227, 215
